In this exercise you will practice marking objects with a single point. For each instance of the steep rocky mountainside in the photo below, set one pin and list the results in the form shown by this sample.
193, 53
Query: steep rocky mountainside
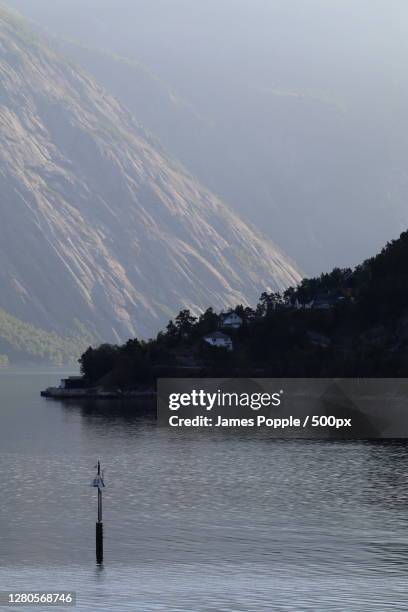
185, 132
98, 227
304, 135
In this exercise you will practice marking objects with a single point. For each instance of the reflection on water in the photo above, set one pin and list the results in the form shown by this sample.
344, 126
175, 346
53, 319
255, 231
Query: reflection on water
195, 521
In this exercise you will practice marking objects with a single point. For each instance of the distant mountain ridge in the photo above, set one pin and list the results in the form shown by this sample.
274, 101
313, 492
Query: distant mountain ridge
98, 227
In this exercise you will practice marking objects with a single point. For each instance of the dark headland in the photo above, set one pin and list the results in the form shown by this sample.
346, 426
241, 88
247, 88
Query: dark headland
346, 323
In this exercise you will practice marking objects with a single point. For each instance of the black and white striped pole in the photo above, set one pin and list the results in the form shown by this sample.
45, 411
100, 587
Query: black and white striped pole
98, 482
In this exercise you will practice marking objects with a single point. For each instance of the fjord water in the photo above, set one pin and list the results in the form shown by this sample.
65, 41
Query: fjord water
195, 520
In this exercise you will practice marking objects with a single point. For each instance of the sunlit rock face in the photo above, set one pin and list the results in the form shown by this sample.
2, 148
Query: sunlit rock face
97, 225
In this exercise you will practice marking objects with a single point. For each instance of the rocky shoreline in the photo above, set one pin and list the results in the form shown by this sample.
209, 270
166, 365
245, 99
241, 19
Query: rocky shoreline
97, 394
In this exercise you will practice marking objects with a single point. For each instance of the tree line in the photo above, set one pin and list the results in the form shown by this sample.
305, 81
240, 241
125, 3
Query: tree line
363, 335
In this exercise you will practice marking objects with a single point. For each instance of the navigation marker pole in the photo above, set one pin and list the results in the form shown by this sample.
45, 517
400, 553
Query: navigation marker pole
98, 482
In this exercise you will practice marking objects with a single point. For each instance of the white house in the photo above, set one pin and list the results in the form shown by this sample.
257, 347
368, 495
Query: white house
231, 319
219, 339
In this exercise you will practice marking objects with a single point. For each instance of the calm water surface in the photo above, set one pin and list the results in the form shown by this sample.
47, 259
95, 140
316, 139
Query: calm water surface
195, 521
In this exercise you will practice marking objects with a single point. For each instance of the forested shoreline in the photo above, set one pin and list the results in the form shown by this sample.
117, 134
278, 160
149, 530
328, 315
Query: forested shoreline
346, 323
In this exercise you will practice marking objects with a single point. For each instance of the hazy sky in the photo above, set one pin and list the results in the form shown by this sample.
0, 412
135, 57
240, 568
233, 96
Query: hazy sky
332, 44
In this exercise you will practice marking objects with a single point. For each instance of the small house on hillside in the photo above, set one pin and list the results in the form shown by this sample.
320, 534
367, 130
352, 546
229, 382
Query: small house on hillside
326, 302
219, 340
281, 306
322, 301
318, 340
231, 320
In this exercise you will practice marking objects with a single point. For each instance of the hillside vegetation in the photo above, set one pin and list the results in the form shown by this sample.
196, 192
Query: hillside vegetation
347, 323
21, 342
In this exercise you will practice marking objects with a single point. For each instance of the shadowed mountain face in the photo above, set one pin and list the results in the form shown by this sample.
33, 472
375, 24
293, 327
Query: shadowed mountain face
97, 226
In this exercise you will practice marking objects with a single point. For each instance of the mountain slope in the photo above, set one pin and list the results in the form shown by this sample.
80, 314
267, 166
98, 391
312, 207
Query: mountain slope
97, 225
184, 131
308, 135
